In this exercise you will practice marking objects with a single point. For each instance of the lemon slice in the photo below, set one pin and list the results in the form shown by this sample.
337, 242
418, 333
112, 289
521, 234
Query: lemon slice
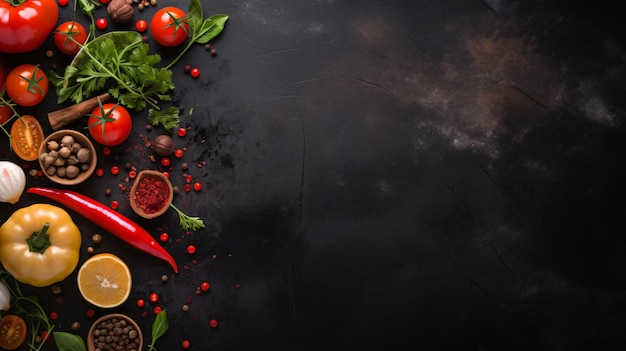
104, 280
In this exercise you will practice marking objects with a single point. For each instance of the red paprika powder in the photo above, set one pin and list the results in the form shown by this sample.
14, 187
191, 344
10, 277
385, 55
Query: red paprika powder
151, 194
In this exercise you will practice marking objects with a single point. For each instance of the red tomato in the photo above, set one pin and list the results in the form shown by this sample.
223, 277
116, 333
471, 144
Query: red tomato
110, 124
13, 331
169, 26
25, 26
64, 34
27, 85
27, 137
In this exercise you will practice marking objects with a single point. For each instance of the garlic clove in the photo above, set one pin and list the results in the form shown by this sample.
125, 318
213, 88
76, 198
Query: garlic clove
5, 297
12, 182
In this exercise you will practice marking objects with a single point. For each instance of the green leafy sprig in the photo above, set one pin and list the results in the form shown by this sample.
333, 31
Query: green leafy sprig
188, 222
160, 325
117, 61
168, 118
30, 309
201, 29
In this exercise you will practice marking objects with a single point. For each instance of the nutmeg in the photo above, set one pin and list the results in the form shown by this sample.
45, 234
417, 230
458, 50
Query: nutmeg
121, 11
163, 145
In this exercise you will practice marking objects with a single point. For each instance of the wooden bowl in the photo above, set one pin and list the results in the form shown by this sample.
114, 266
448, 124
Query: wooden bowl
160, 191
80, 138
91, 339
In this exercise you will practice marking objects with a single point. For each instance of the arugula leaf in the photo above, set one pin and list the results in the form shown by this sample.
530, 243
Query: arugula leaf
119, 62
168, 118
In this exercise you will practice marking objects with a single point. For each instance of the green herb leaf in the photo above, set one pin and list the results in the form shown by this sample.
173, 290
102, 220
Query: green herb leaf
168, 118
194, 14
188, 222
119, 62
160, 325
68, 341
211, 27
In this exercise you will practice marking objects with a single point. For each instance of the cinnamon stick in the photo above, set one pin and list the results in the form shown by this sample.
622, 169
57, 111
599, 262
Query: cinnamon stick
60, 118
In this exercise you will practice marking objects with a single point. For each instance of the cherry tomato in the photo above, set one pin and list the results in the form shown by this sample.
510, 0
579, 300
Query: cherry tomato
110, 124
25, 25
102, 23
26, 137
12, 332
169, 26
65, 35
141, 25
27, 85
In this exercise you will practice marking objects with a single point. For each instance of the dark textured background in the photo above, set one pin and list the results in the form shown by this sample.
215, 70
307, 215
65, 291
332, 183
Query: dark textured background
435, 174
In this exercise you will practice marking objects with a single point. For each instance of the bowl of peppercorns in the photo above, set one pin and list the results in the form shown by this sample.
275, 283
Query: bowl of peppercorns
67, 157
114, 331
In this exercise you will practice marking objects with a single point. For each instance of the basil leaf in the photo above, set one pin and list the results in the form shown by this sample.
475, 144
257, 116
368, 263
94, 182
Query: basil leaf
194, 15
159, 326
211, 27
68, 342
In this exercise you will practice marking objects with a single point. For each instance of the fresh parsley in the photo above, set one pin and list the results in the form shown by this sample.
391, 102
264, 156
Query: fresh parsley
118, 61
168, 118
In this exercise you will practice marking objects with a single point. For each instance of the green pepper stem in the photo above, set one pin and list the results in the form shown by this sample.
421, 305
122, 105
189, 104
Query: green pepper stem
39, 241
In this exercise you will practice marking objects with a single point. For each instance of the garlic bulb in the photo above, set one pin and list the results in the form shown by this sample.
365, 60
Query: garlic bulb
5, 297
12, 182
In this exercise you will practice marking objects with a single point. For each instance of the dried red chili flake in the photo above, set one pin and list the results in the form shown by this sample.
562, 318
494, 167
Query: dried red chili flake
152, 194
214, 256
141, 302
191, 249
45, 336
187, 188
237, 285
54, 315
179, 153
114, 205
115, 170
205, 286
165, 162
100, 172
186, 344
197, 186
40, 173
106, 150
164, 237
181, 132
90, 312
154, 297
213, 323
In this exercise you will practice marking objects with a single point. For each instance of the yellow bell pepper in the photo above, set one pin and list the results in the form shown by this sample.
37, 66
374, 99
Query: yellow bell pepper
40, 245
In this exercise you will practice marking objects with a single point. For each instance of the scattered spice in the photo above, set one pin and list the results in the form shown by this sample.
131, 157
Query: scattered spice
141, 302
154, 297
96, 238
191, 249
213, 323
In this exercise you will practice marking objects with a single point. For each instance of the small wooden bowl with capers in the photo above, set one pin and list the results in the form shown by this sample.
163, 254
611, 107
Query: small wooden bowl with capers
114, 332
67, 157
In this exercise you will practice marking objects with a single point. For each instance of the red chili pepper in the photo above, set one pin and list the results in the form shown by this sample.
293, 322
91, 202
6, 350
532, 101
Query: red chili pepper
113, 221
